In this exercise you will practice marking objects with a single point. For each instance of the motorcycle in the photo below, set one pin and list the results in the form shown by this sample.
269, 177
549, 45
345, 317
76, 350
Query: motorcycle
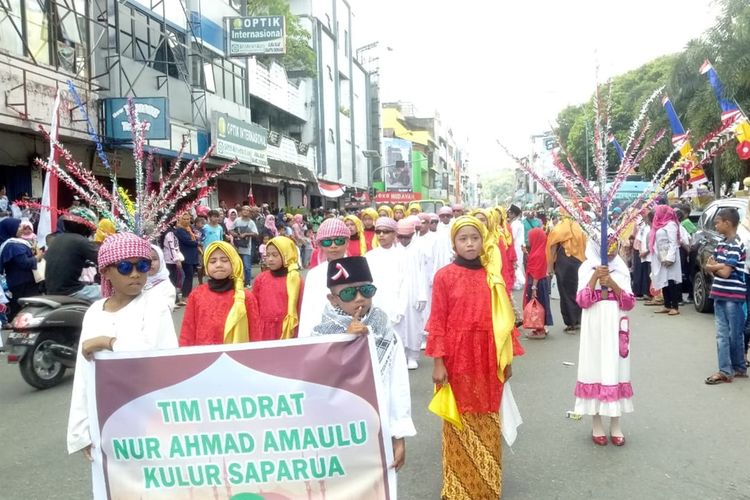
44, 336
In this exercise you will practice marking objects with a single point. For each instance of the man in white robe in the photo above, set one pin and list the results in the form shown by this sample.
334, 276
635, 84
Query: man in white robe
385, 263
330, 233
413, 293
519, 238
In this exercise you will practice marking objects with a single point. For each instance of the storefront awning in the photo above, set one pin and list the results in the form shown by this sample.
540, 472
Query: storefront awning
291, 171
330, 189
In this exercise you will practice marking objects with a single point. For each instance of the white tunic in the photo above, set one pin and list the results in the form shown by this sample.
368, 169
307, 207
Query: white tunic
314, 299
388, 277
443, 246
427, 244
666, 242
412, 292
519, 238
144, 324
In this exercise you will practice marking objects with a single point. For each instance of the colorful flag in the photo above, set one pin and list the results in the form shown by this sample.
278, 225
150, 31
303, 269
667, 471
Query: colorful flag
48, 214
618, 148
729, 109
681, 139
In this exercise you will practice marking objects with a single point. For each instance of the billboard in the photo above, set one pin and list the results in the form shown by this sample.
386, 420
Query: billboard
282, 420
150, 110
256, 35
397, 164
233, 138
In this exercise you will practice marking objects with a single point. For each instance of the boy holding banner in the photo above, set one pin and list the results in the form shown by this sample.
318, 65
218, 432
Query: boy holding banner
350, 311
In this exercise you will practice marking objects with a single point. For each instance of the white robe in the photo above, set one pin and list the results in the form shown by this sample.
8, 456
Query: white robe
427, 245
519, 238
144, 324
412, 292
443, 246
666, 239
388, 277
314, 299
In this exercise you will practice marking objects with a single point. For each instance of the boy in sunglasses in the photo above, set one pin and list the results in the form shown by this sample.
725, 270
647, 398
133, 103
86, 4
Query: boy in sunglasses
123, 320
350, 310
333, 239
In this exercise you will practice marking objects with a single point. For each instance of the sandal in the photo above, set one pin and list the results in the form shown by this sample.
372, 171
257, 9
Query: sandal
718, 378
569, 328
653, 303
673, 312
740, 374
663, 311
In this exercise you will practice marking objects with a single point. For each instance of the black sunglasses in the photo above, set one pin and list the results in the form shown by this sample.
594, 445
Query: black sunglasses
330, 241
384, 231
125, 267
434, 221
350, 293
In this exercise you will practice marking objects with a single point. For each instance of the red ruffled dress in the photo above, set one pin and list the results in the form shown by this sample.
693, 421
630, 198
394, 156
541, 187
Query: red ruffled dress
206, 313
460, 332
369, 235
270, 294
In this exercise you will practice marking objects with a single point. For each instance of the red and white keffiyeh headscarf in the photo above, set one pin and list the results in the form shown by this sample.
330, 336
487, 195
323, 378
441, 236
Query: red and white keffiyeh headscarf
119, 247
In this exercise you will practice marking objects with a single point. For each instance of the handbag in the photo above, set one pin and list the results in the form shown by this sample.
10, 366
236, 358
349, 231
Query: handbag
663, 254
39, 271
242, 242
624, 337
533, 315
444, 405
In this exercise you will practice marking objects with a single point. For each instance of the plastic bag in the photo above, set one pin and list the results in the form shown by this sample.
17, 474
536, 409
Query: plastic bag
533, 315
444, 405
624, 337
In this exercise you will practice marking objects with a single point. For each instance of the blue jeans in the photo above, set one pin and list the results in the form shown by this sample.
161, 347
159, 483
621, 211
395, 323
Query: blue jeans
730, 330
247, 264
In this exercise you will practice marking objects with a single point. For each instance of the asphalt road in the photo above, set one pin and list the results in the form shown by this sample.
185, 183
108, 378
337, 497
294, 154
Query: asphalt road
686, 440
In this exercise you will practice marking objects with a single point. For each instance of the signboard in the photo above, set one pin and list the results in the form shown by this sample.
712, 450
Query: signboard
256, 35
397, 164
235, 138
243, 421
396, 197
151, 110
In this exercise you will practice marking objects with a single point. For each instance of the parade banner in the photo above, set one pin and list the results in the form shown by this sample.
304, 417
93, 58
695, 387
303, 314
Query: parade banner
291, 419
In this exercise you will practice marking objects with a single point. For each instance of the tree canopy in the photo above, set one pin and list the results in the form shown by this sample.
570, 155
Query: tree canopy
726, 45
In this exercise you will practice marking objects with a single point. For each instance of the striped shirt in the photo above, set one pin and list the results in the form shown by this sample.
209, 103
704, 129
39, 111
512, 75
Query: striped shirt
730, 253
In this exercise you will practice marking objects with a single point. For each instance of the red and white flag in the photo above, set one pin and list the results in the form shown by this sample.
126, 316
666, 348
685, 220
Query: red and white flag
48, 215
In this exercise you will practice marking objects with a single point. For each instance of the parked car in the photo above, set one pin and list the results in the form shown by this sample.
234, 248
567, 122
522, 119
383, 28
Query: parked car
704, 243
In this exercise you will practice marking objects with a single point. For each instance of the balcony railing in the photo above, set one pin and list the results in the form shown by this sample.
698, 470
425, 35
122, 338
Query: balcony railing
287, 151
271, 85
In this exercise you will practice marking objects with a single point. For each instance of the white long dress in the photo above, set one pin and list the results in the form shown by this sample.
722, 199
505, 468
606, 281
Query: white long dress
519, 237
443, 246
603, 385
427, 244
144, 324
412, 291
666, 239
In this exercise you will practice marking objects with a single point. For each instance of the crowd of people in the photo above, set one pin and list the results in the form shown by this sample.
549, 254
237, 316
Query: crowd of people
439, 282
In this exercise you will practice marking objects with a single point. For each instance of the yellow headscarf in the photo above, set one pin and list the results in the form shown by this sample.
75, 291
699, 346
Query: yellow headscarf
371, 213
236, 329
360, 233
388, 210
567, 233
503, 318
503, 228
288, 250
104, 228
416, 205
399, 207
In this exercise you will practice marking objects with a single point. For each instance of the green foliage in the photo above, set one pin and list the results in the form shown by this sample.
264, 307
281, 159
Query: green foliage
726, 44
499, 187
299, 58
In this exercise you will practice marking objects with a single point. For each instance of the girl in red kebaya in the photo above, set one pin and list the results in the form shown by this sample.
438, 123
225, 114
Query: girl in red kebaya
278, 292
220, 311
471, 340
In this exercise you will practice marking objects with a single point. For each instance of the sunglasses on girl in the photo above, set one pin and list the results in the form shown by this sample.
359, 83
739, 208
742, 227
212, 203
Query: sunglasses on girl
125, 267
384, 231
350, 293
330, 241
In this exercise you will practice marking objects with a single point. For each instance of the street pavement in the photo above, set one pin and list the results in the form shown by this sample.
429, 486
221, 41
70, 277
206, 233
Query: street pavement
686, 440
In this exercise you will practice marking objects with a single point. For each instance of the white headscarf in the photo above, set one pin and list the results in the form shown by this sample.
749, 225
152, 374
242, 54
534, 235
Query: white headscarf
618, 270
162, 274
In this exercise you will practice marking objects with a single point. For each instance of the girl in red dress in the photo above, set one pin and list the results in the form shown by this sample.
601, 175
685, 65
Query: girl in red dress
369, 216
470, 338
278, 292
221, 311
357, 244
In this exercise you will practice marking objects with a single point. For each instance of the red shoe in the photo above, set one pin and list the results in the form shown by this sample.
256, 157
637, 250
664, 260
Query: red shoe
599, 440
617, 440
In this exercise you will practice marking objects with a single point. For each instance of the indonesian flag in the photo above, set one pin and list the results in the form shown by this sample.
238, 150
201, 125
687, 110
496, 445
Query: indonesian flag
48, 214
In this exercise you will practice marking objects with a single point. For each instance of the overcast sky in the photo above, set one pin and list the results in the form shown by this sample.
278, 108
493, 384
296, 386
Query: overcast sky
503, 69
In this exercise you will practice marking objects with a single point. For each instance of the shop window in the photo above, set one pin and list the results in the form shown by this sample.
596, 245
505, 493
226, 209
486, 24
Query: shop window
72, 36
11, 27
